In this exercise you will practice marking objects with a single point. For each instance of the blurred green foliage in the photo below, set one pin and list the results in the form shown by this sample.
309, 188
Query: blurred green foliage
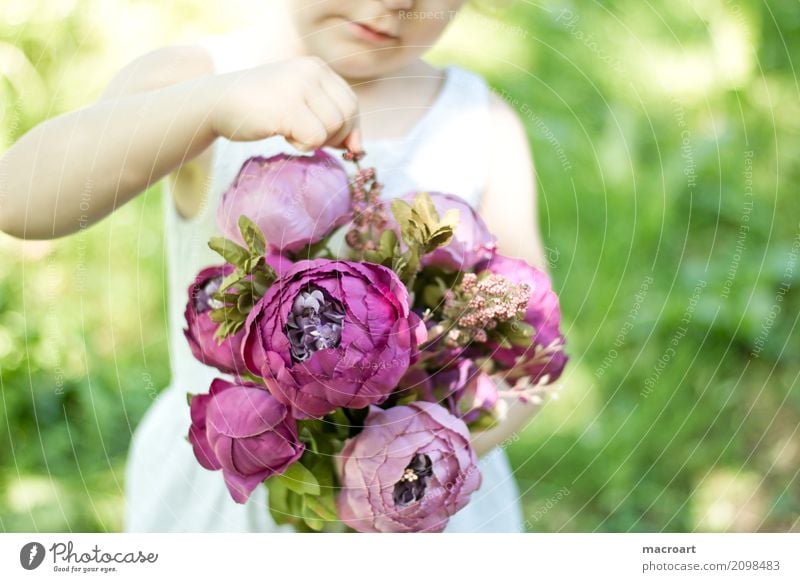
665, 137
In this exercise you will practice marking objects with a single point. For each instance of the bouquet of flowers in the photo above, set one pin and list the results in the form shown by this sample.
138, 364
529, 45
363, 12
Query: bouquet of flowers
355, 374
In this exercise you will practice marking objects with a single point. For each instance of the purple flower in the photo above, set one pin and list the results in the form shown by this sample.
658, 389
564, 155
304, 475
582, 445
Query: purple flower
332, 334
544, 359
294, 200
243, 430
462, 388
279, 262
199, 333
472, 241
225, 356
409, 470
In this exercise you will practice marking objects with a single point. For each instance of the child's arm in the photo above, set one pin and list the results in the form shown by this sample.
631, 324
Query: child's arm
70, 171
158, 113
509, 209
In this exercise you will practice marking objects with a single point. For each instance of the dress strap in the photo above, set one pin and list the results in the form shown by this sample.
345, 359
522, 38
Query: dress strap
452, 147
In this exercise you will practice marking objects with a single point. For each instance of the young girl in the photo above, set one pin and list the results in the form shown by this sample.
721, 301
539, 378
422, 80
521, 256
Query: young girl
316, 74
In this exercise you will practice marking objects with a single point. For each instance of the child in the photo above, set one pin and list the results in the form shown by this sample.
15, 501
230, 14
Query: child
317, 74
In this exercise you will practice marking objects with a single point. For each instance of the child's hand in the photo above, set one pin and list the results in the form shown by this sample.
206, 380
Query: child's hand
301, 99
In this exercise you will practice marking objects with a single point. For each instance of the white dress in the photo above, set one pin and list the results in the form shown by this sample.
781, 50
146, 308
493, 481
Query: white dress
166, 488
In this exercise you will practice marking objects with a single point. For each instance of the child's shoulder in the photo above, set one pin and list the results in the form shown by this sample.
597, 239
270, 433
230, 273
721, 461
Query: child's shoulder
505, 111
467, 76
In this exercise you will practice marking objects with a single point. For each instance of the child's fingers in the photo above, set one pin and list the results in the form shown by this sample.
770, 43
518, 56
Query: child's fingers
337, 139
327, 116
344, 98
308, 132
327, 111
338, 89
341, 94
353, 141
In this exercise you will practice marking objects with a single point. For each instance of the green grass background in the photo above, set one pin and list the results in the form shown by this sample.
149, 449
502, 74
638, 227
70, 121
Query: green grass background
666, 141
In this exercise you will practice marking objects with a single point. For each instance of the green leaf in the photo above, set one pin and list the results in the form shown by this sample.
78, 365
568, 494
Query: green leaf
433, 293
407, 398
223, 314
231, 280
517, 333
387, 248
374, 257
244, 303
252, 235
439, 238
504, 343
229, 250
426, 210
451, 218
295, 506
221, 333
278, 500
299, 479
264, 275
388, 242
217, 315
253, 263
307, 436
338, 423
322, 506
485, 421
230, 296
312, 519
407, 265
401, 210
415, 232
224, 330
259, 289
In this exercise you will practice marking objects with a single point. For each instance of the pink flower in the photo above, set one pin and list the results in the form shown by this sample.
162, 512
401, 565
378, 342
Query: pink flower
462, 388
544, 359
332, 334
225, 356
409, 470
472, 241
243, 430
294, 200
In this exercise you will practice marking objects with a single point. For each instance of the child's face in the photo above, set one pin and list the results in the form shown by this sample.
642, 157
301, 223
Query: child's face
368, 38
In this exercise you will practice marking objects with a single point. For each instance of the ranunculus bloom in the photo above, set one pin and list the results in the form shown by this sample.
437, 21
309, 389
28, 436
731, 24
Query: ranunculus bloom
462, 388
472, 241
544, 359
225, 356
409, 470
294, 200
243, 430
332, 334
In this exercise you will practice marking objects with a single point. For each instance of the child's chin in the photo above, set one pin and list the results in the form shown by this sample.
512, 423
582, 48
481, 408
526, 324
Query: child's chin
365, 65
